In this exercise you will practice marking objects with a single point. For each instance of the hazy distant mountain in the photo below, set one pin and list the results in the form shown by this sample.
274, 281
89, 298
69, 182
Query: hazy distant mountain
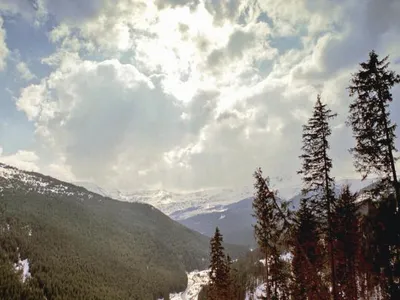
235, 220
229, 209
183, 205
92, 247
178, 205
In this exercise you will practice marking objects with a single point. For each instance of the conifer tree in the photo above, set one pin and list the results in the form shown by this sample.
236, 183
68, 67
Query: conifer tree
370, 120
367, 280
318, 187
219, 269
307, 255
230, 275
268, 227
347, 244
383, 250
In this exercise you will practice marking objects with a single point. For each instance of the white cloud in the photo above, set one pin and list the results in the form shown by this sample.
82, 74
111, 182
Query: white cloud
31, 100
196, 93
90, 111
24, 71
74, 10
59, 169
3, 46
26, 160
23, 7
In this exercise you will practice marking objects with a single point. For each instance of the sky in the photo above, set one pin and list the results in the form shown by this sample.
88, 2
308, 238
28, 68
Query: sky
181, 94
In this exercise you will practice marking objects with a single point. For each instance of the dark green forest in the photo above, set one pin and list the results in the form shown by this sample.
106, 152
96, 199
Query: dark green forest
85, 246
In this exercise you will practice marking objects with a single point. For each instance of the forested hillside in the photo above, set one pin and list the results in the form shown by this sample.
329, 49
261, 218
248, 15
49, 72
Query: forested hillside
83, 246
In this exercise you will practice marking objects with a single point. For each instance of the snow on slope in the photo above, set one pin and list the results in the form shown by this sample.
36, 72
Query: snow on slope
183, 205
179, 205
11, 178
23, 267
258, 294
196, 280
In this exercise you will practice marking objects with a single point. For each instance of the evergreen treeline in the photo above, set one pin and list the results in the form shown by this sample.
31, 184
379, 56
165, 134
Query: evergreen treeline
342, 247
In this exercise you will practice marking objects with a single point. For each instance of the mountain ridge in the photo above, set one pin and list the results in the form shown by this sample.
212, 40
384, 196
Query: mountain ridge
236, 219
183, 205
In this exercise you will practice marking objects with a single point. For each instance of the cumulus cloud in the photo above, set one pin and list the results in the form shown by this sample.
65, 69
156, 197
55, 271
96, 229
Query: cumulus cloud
245, 45
26, 160
234, 11
25, 8
361, 30
74, 10
161, 4
93, 112
3, 46
24, 71
198, 93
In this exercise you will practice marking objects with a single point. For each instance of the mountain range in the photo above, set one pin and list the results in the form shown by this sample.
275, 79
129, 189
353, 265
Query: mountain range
228, 208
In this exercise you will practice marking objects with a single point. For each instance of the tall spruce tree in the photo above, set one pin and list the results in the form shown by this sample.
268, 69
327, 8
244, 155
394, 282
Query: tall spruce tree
307, 259
367, 279
219, 286
268, 227
318, 187
369, 118
383, 249
347, 244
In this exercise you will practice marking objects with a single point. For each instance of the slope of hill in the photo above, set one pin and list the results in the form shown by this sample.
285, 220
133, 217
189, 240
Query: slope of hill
234, 220
81, 245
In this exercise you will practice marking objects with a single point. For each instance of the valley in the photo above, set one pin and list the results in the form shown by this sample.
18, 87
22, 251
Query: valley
78, 242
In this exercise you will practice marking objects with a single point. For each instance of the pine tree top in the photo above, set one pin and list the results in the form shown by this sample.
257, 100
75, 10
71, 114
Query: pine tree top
374, 75
369, 117
316, 163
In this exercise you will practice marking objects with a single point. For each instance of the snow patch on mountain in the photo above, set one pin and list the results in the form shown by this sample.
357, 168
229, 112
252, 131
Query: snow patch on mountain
12, 178
258, 294
179, 205
23, 267
196, 280
183, 205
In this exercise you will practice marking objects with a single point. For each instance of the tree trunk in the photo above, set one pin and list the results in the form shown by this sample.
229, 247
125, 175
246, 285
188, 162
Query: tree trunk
267, 282
328, 195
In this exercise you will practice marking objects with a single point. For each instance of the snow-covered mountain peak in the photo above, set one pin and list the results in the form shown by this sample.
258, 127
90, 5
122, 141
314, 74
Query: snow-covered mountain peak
185, 204
12, 178
178, 205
